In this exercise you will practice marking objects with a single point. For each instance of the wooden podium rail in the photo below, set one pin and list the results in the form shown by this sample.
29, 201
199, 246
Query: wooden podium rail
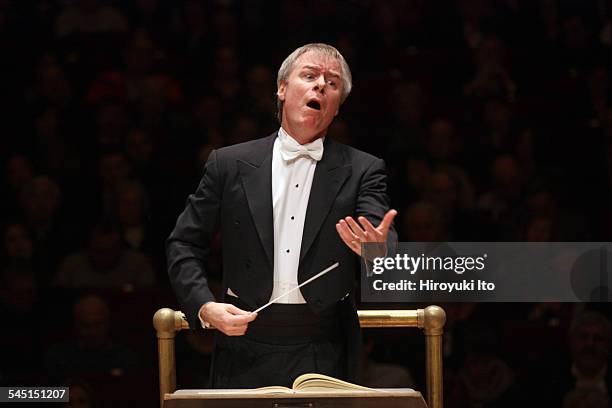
168, 322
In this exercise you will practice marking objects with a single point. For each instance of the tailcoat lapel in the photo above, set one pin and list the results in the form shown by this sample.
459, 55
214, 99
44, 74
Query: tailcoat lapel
256, 175
330, 174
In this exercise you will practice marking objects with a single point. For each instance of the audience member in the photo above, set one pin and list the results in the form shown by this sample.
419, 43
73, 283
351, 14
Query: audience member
424, 222
382, 375
17, 173
505, 189
135, 218
105, 264
17, 248
20, 356
40, 201
81, 394
586, 372
89, 17
113, 170
91, 350
484, 379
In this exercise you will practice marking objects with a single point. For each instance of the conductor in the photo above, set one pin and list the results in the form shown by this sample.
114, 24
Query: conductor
288, 206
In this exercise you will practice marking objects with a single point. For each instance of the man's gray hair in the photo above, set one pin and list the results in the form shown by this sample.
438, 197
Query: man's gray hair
320, 48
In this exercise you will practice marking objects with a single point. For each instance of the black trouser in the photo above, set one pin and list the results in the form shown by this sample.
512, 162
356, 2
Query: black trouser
285, 341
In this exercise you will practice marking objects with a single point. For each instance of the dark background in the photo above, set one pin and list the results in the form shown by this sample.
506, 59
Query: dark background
494, 119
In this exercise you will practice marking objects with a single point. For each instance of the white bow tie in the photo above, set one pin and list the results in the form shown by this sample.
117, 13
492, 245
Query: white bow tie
290, 149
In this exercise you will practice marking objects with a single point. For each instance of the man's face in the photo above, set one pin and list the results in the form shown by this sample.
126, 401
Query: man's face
311, 96
92, 322
590, 347
104, 249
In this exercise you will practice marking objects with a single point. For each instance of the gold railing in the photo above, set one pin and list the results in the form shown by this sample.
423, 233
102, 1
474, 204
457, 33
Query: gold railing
168, 322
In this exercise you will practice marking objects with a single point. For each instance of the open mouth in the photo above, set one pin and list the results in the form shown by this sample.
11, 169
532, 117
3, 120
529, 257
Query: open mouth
314, 105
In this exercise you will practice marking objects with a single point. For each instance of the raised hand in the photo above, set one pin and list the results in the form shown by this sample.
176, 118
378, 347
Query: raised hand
354, 234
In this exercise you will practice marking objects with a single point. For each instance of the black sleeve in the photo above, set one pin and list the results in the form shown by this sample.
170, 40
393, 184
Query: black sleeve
189, 243
373, 201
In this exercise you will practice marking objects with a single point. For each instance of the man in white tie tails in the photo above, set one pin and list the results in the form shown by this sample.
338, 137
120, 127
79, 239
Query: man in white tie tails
289, 206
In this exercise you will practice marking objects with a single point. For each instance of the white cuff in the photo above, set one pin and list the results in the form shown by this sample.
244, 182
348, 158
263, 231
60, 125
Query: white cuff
205, 324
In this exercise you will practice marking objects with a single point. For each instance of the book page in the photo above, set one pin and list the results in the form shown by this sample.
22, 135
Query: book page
322, 382
272, 389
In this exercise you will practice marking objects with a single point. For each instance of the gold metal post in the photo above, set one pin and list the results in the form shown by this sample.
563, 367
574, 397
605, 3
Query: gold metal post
431, 320
433, 325
167, 322
388, 318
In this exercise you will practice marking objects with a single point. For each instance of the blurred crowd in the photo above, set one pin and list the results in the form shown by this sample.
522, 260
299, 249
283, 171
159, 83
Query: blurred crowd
494, 118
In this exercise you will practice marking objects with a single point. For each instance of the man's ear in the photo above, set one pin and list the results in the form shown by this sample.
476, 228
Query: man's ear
280, 92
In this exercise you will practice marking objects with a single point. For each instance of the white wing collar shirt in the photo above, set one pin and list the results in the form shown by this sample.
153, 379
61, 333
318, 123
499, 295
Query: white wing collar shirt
293, 167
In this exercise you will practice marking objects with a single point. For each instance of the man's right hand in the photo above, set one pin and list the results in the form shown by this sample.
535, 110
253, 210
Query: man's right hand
227, 318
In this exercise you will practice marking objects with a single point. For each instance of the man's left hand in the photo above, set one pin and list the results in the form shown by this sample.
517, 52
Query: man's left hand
354, 234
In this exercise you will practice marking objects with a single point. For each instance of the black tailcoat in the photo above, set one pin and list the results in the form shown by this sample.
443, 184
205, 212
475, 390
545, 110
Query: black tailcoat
235, 195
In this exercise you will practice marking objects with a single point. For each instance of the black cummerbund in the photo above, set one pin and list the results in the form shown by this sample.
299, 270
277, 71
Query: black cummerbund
291, 323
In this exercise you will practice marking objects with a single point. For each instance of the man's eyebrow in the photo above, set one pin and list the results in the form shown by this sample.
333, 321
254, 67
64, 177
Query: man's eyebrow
316, 68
